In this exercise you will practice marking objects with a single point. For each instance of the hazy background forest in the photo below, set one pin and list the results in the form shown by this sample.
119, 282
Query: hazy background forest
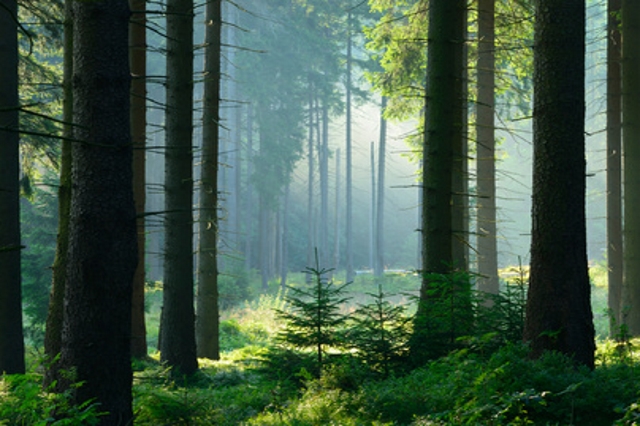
513, 176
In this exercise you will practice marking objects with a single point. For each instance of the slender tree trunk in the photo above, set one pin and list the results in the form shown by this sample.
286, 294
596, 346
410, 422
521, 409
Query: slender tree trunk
372, 211
53, 331
138, 63
336, 231
284, 260
178, 316
323, 160
207, 316
382, 153
249, 210
631, 143
102, 233
486, 162
614, 166
349, 179
11, 336
559, 313
310, 182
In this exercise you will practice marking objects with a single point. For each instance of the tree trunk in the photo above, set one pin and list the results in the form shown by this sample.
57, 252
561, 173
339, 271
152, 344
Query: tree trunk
349, 196
310, 184
382, 153
443, 105
284, 238
486, 164
558, 315
372, 210
207, 317
614, 167
55, 316
323, 164
631, 143
178, 317
102, 233
11, 336
137, 55
336, 230
249, 210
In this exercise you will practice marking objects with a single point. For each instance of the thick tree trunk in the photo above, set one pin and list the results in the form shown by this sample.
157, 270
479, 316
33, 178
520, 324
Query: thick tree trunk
138, 63
11, 336
382, 153
443, 106
96, 339
614, 167
208, 317
178, 316
53, 331
631, 142
486, 163
559, 313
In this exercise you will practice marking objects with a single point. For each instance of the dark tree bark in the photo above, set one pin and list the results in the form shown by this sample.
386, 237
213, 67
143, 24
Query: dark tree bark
558, 315
208, 317
443, 106
178, 348
614, 166
486, 164
96, 337
631, 143
11, 335
138, 62
55, 316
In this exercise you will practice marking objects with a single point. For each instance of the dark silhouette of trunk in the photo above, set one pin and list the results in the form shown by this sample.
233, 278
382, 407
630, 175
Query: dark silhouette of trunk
11, 335
631, 143
349, 180
614, 166
178, 344
207, 315
55, 315
382, 153
443, 106
486, 166
138, 63
558, 315
102, 254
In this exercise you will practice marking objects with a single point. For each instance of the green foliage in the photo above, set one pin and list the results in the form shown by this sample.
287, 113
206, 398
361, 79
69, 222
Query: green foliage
445, 314
233, 284
380, 333
313, 318
24, 402
39, 226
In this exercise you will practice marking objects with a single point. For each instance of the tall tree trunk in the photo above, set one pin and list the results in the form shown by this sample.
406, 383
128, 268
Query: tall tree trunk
349, 179
323, 164
382, 153
284, 242
178, 348
372, 211
614, 166
310, 184
631, 143
486, 159
249, 210
207, 315
336, 230
55, 315
443, 105
102, 234
559, 313
11, 335
138, 63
